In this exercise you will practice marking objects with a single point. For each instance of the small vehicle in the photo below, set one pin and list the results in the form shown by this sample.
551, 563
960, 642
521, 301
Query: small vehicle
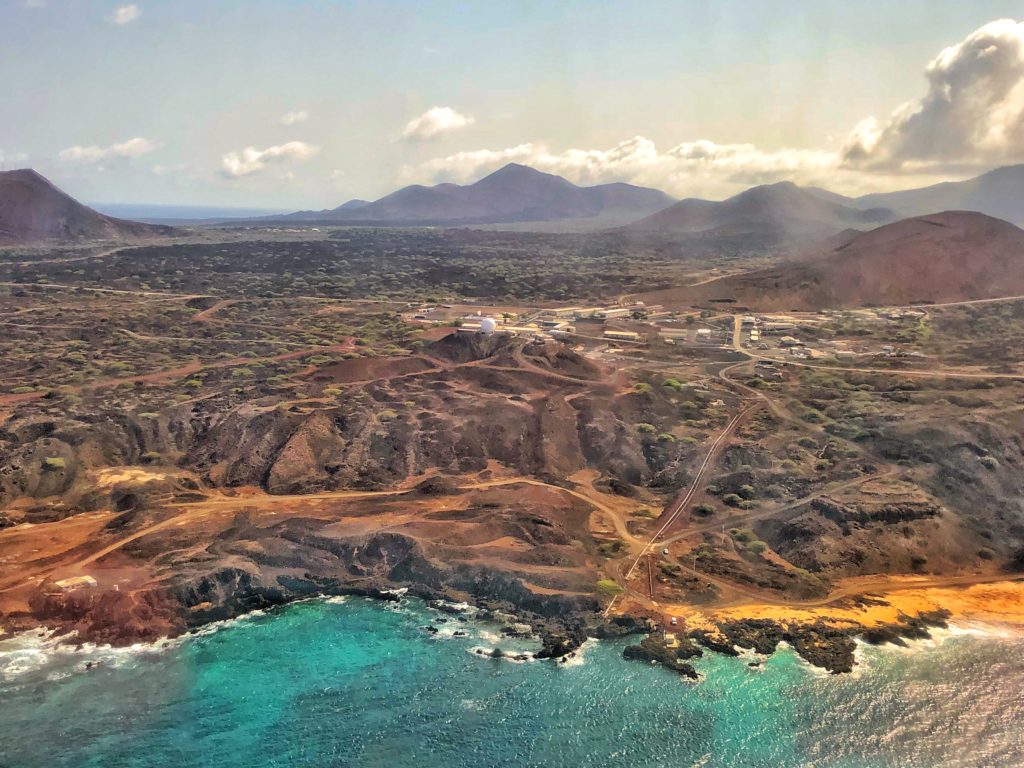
673, 621
664, 551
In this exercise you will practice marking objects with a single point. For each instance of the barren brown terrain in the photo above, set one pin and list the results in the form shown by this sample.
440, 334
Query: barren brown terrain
175, 451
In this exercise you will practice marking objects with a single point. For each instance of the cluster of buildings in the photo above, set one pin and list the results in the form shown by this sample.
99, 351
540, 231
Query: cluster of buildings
489, 325
636, 311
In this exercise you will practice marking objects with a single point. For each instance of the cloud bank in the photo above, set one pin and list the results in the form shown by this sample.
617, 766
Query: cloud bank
686, 168
970, 118
972, 114
250, 160
435, 122
94, 155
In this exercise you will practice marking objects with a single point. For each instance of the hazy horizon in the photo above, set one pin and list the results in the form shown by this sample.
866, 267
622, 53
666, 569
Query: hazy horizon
194, 104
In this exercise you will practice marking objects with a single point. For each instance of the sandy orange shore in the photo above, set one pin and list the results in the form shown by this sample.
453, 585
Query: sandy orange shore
1000, 602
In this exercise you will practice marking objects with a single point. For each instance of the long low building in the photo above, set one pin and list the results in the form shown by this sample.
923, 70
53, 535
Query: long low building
675, 333
606, 314
622, 335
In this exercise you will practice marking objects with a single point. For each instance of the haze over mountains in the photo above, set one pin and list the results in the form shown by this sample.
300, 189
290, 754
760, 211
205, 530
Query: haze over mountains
514, 193
781, 213
950, 256
773, 213
32, 210
998, 193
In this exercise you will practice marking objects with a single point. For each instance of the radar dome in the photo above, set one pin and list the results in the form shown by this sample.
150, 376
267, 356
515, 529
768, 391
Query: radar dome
487, 326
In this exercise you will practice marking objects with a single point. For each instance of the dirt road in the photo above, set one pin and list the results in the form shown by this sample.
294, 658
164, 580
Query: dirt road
677, 507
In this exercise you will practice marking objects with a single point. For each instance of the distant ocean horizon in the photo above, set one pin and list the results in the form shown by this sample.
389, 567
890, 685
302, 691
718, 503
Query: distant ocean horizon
156, 213
354, 682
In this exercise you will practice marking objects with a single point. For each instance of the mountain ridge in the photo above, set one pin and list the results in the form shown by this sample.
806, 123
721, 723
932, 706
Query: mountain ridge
998, 193
782, 212
513, 193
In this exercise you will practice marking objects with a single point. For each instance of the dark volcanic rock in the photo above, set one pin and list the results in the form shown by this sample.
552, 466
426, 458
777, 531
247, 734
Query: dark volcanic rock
555, 643
714, 644
823, 646
670, 653
622, 626
763, 635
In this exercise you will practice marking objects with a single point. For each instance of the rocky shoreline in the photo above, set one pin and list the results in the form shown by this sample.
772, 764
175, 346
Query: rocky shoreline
819, 643
561, 633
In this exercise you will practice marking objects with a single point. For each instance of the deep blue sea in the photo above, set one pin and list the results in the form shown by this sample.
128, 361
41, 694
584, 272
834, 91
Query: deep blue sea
358, 683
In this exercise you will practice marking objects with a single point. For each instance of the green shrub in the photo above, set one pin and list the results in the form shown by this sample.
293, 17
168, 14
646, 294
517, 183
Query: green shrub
609, 587
611, 548
743, 535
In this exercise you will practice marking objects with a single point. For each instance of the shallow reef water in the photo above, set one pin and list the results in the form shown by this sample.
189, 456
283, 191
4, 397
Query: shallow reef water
353, 682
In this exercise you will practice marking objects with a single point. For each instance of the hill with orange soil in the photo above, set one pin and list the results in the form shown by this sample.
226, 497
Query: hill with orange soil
944, 257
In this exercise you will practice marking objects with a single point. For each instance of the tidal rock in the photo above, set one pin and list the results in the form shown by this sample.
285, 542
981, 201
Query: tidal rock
668, 651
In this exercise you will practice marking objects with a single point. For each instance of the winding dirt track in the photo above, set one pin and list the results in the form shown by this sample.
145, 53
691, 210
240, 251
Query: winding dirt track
227, 504
676, 508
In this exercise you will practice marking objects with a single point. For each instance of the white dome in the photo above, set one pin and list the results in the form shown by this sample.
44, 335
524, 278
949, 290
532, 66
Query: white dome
487, 325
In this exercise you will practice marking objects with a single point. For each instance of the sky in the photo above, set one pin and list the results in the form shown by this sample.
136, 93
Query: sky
300, 104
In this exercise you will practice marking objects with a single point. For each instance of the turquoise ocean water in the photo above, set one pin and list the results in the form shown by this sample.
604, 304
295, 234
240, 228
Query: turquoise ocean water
357, 683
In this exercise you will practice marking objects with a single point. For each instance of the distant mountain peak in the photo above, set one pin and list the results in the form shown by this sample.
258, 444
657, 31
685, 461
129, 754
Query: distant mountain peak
513, 193
518, 173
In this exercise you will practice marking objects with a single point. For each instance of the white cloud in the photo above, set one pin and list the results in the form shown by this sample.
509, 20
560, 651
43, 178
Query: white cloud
434, 122
972, 114
251, 160
126, 14
689, 168
972, 117
10, 159
293, 118
92, 155
34, 3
